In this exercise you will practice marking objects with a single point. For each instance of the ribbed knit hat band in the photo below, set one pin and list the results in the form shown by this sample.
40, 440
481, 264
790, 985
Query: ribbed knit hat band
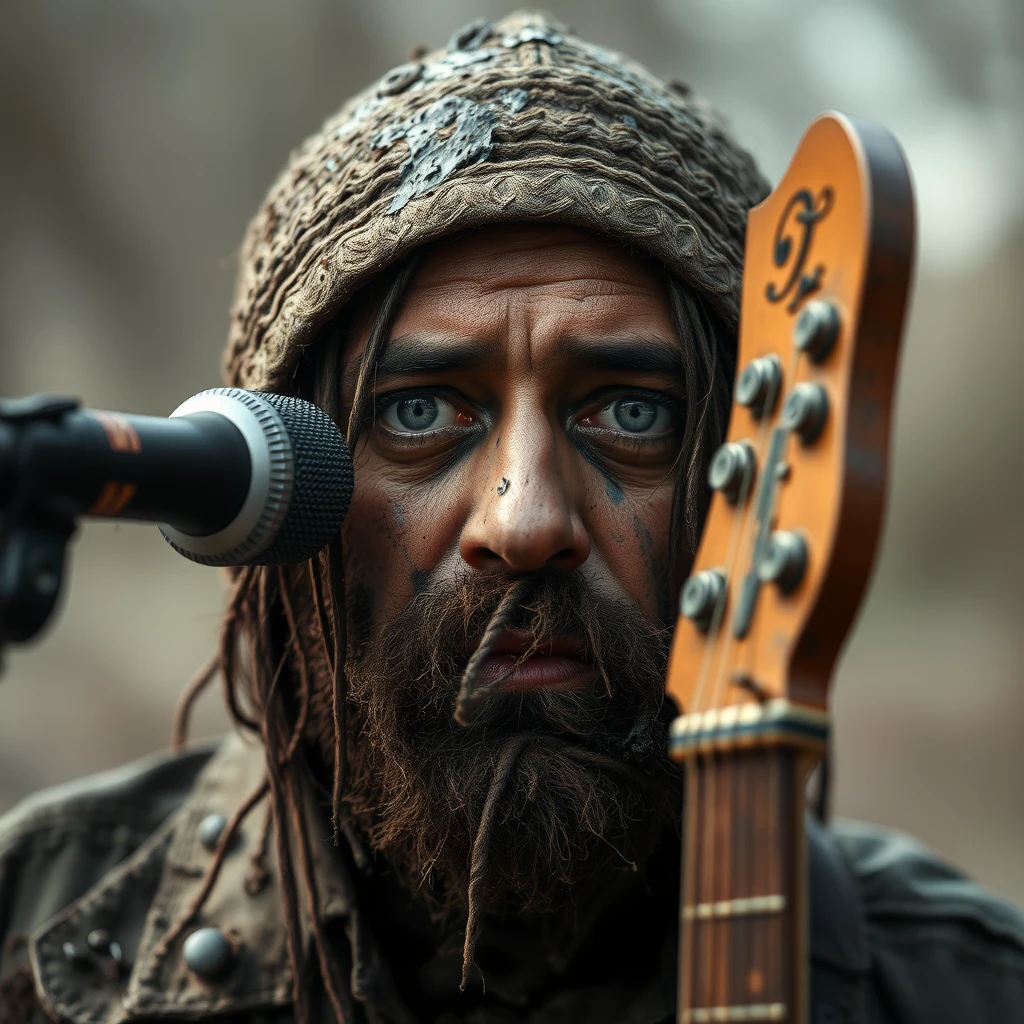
515, 121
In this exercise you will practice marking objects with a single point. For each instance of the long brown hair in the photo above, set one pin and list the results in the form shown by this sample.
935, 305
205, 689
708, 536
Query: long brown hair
273, 691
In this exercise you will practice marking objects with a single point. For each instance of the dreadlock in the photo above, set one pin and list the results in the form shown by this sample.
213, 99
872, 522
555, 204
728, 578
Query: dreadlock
263, 612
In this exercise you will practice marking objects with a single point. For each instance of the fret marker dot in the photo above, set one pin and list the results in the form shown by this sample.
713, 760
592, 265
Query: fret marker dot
755, 981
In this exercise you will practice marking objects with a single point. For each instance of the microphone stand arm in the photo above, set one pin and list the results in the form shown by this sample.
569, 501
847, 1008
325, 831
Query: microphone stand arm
35, 526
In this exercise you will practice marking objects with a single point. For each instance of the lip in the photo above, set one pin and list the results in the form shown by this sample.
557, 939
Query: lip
556, 664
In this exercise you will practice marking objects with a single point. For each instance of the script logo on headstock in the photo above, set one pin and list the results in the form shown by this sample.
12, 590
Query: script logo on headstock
805, 210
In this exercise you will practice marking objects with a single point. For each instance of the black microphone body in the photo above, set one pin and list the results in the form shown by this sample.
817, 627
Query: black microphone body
191, 472
232, 477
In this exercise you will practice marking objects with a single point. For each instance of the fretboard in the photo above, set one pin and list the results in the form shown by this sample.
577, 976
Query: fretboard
743, 928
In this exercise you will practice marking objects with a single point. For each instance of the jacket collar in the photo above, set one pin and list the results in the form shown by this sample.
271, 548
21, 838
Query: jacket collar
137, 903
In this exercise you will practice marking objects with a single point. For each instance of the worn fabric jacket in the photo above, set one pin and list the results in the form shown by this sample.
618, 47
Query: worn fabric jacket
92, 875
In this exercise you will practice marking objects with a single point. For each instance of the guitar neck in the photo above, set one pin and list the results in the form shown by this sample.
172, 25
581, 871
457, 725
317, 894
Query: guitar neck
743, 951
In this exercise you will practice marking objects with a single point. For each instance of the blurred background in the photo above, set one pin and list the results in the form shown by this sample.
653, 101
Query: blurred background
138, 137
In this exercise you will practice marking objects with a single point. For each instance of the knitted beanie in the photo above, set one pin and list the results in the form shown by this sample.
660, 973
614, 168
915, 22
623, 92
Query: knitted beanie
514, 121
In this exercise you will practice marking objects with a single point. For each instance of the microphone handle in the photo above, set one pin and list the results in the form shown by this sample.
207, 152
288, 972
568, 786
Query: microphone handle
191, 472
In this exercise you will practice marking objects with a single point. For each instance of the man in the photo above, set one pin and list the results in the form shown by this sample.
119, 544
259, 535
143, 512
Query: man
511, 270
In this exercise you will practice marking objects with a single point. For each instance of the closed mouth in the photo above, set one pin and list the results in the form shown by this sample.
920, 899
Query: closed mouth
525, 665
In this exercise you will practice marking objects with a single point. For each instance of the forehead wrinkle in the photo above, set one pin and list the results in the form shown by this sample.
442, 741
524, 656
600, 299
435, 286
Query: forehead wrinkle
489, 281
526, 269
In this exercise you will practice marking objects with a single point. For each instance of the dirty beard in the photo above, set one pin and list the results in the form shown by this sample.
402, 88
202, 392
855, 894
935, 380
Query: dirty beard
542, 798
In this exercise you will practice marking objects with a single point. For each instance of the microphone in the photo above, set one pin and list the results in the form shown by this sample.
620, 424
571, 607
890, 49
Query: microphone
232, 477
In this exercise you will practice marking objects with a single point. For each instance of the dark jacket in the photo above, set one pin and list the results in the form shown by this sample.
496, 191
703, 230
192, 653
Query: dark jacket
93, 873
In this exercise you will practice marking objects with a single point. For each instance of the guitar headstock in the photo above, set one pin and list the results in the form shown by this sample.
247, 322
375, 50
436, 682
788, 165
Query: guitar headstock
800, 481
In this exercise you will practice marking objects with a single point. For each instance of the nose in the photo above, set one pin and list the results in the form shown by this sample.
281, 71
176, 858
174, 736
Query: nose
525, 519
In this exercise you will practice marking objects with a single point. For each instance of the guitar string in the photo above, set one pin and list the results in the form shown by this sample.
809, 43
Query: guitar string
708, 895
689, 949
744, 840
741, 517
774, 875
754, 633
741, 529
750, 522
761, 949
728, 940
772, 881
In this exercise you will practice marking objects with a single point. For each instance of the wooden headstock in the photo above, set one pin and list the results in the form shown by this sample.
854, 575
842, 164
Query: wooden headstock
792, 530
785, 555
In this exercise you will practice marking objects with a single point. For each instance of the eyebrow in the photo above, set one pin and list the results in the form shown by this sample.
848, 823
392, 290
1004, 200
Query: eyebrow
426, 354
431, 354
631, 354
418, 354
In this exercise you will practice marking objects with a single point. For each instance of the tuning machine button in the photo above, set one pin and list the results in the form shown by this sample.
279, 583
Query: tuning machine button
805, 411
732, 469
700, 596
759, 384
816, 329
785, 561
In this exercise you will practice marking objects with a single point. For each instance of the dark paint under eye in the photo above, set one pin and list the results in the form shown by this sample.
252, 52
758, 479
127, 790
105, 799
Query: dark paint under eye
634, 415
417, 413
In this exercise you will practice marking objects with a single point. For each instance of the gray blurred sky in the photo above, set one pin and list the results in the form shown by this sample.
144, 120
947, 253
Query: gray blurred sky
138, 137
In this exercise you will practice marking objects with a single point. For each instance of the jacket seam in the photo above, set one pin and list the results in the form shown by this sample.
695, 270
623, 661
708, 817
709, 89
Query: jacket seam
37, 828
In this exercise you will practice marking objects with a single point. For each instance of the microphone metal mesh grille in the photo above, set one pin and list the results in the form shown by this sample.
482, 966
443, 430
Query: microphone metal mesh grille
322, 489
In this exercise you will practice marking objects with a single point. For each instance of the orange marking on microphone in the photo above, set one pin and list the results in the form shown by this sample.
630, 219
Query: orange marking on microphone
113, 499
121, 435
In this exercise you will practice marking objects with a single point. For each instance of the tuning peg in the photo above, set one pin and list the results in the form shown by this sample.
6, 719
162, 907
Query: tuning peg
816, 329
805, 411
759, 384
700, 596
785, 561
732, 468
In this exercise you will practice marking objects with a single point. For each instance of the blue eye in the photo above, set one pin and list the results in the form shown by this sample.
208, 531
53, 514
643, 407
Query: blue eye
418, 413
634, 415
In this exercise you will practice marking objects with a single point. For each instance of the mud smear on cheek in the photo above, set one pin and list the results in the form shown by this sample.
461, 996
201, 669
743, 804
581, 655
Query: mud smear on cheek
644, 536
657, 570
615, 493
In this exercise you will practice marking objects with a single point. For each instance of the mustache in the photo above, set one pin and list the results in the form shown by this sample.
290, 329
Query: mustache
423, 652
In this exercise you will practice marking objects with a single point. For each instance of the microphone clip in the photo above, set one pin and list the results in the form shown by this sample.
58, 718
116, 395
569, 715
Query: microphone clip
34, 528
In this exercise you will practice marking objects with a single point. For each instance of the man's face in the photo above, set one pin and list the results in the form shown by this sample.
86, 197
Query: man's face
522, 453
526, 414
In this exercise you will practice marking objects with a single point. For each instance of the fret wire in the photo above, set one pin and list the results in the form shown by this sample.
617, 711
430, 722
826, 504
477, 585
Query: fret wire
738, 908
748, 1013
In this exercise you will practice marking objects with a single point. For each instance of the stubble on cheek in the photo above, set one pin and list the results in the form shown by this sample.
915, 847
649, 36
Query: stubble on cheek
380, 567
